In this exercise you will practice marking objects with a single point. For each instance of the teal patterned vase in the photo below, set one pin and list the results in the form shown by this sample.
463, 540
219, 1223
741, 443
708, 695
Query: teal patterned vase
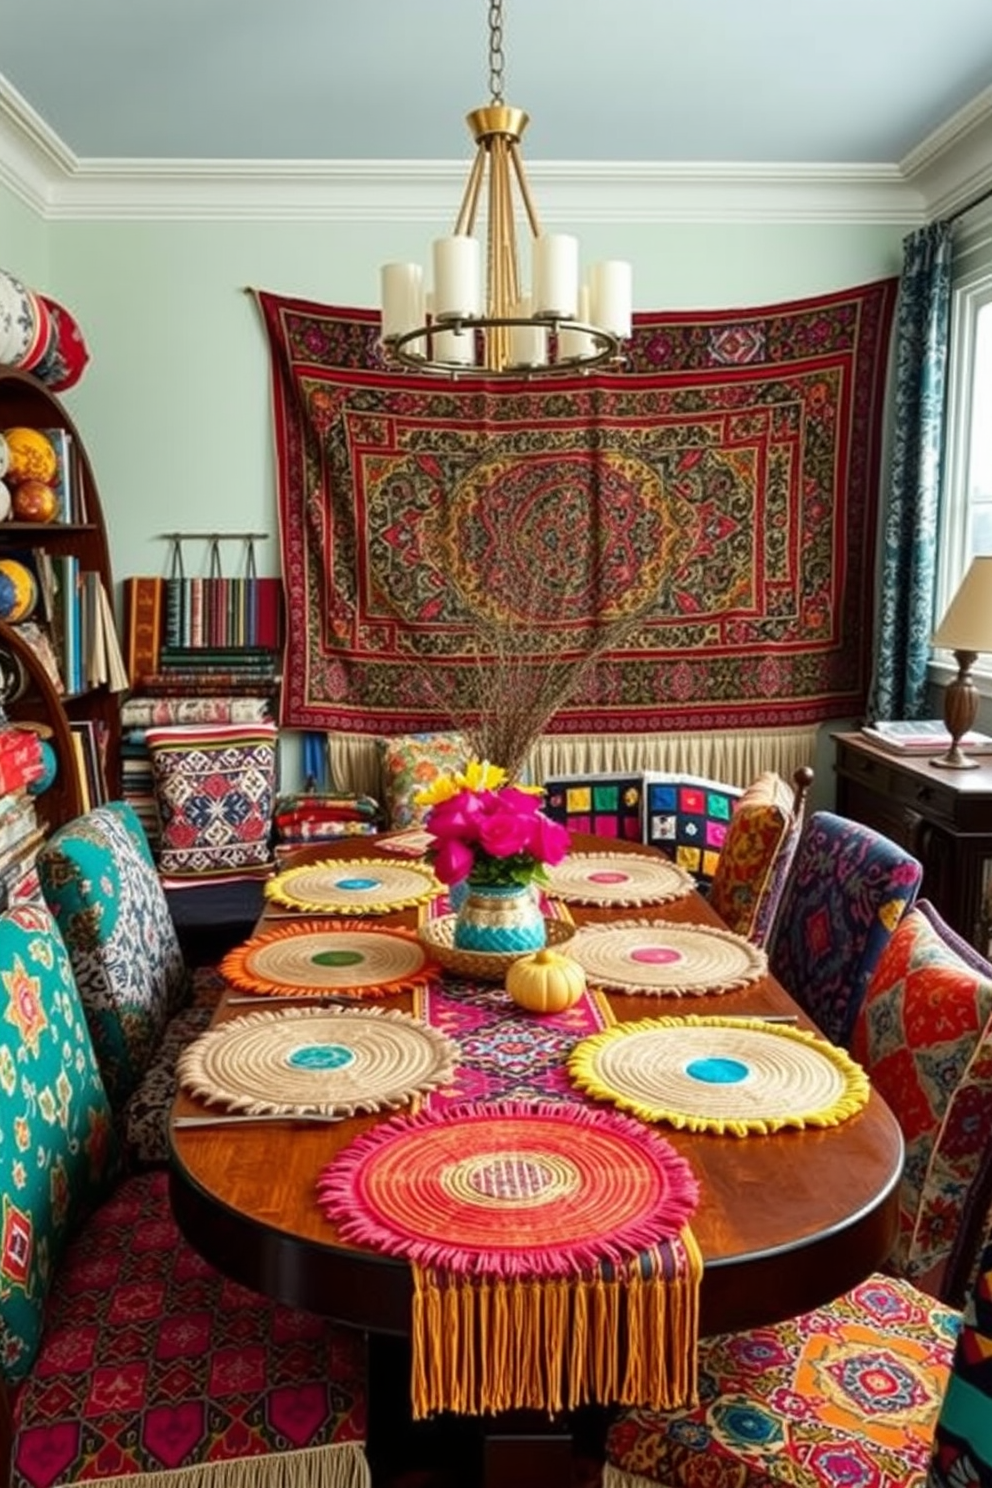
500, 918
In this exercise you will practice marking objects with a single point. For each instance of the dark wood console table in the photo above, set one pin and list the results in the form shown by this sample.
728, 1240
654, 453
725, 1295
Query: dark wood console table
943, 817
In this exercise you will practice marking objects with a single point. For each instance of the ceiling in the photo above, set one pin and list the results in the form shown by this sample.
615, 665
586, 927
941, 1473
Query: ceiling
856, 81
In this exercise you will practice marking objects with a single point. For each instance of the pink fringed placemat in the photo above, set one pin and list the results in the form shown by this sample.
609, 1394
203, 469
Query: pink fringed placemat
552, 1258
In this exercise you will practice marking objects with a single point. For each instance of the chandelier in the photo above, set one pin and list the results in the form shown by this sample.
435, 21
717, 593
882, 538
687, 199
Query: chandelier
495, 326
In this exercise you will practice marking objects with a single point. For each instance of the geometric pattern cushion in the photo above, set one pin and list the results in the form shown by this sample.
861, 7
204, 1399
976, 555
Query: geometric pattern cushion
924, 1035
409, 763
58, 1155
128, 965
846, 1394
756, 855
153, 1362
848, 889
215, 789
687, 817
963, 1440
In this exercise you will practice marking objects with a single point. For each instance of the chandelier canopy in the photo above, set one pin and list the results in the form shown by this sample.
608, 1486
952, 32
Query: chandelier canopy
496, 326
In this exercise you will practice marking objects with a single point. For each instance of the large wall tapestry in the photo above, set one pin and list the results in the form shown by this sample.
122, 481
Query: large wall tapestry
715, 505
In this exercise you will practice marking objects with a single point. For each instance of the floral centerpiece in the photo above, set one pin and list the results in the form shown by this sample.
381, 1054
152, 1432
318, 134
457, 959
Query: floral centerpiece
494, 837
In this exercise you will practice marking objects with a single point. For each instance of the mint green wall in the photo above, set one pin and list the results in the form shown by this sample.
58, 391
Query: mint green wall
174, 406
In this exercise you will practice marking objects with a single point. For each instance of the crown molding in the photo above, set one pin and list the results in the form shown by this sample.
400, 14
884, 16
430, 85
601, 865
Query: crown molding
943, 174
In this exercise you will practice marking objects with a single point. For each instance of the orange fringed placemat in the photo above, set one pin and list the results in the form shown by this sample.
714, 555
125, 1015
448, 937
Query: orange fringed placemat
321, 956
553, 1262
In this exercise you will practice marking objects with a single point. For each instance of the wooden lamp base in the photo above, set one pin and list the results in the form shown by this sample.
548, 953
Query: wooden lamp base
960, 712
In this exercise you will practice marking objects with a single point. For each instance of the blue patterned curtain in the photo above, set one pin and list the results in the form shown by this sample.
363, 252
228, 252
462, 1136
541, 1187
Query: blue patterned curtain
909, 521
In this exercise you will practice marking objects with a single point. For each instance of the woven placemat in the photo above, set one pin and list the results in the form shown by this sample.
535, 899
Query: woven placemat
353, 886
617, 878
321, 956
737, 1076
331, 1061
656, 956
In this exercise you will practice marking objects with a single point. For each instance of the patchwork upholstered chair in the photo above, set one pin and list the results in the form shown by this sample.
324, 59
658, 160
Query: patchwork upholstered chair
99, 880
847, 1393
757, 853
125, 1356
847, 890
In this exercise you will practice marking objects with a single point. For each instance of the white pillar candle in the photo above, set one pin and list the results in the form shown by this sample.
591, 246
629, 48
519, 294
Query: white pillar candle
454, 346
577, 343
611, 295
528, 344
457, 277
402, 298
555, 275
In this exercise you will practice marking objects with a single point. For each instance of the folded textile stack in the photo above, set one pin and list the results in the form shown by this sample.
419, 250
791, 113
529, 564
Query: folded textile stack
322, 816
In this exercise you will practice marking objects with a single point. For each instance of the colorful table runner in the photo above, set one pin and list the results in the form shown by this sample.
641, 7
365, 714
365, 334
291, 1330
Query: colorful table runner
553, 1263
738, 1076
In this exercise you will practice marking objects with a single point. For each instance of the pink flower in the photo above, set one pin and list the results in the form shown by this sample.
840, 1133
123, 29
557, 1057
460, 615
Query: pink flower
503, 833
460, 816
523, 803
548, 841
453, 860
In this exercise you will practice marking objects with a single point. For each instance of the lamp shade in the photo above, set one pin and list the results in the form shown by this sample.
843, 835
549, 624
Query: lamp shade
967, 625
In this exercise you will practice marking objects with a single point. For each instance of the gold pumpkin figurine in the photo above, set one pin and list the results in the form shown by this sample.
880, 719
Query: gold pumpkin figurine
545, 982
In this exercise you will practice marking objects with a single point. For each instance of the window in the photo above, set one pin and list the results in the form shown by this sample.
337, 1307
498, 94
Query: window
966, 488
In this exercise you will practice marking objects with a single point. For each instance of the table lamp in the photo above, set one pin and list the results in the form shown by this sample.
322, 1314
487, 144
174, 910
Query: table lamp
966, 629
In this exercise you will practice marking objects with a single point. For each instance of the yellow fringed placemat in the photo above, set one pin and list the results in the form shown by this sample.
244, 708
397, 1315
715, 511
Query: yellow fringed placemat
617, 878
733, 1075
552, 1256
339, 886
326, 1061
658, 956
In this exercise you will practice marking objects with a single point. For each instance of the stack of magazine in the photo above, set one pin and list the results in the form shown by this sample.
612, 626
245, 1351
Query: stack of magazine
922, 736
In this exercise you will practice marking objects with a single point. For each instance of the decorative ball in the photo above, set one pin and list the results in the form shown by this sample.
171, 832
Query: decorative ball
35, 501
50, 768
31, 456
14, 680
18, 590
5, 501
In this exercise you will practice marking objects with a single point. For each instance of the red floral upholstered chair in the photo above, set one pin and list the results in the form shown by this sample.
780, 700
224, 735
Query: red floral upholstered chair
848, 1393
757, 853
124, 1355
848, 888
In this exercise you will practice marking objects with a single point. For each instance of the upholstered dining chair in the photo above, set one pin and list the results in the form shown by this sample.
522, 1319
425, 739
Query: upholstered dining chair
757, 852
847, 1393
99, 880
125, 1356
846, 891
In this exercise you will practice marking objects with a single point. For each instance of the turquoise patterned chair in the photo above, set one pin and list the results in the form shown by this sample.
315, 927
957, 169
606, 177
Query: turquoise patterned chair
847, 890
125, 1357
99, 880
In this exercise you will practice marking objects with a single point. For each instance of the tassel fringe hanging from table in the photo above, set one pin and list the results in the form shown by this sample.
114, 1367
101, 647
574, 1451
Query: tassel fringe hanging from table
627, 1334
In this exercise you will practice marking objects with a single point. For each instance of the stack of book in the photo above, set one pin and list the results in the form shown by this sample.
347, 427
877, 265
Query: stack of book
191, 671
922, 736
175, 629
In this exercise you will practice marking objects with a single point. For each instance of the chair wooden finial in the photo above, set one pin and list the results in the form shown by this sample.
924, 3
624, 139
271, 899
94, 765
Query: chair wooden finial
801, 780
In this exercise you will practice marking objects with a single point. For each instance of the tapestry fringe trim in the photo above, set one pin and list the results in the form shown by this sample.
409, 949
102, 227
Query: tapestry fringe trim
626, 1334
618, 1477
735, 757
335, 1465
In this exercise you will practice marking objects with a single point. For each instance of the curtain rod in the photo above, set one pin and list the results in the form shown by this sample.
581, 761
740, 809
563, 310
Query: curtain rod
976, 201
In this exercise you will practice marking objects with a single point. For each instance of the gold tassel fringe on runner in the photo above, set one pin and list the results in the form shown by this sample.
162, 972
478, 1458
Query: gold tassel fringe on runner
337, 1465
626, 1336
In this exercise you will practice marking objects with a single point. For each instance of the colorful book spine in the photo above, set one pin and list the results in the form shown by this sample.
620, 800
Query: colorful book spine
144, 605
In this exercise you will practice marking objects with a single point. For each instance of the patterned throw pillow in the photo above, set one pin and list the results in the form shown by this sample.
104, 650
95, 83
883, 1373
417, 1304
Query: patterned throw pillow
408, 763
757, 851
100, 883
215, 786
58, 1155
925, 1038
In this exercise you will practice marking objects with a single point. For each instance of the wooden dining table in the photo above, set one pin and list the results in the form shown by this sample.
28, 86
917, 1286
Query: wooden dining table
785, 1222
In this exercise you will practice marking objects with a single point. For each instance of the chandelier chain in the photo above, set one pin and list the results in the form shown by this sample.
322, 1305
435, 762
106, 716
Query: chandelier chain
496, 58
